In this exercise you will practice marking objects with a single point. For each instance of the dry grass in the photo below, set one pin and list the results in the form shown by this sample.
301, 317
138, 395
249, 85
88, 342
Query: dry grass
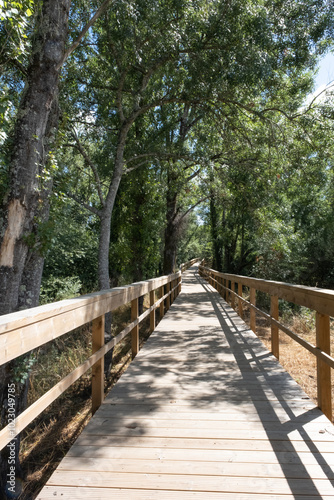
299, 362
47, 440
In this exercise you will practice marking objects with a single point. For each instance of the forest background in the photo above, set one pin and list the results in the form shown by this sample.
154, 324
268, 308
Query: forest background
139, 134
170, 130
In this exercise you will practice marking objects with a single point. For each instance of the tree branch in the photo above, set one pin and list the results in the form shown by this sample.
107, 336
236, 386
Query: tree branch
192, 176
91, 164
90, 23
119, 97
128, 170
328, 86
156, 155
17, 64
84, 204
192, 208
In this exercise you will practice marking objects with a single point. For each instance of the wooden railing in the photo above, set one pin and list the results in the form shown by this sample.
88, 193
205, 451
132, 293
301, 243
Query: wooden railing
320, 300
23, 331
186, 265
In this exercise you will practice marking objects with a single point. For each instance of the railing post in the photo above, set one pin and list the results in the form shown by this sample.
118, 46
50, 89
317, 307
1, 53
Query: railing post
135, 330
232, 294
152, 313
323, 369
98, 367
241, 311
162, 305
180, 285
168, 296
224, 289
274, 328
252, 312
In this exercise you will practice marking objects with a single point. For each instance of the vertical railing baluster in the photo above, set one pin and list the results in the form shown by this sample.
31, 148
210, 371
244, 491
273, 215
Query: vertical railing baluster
232, 294
240, 305
274, 328
162, 305
168, 297
152, 313
252, 311
135, 330
323, 369
98, 367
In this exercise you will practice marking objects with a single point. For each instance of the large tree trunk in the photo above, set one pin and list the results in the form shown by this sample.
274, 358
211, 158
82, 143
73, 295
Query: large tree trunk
173, 182
106, 212
104, 238
217, 260
104, 241
104, 282
171, 231
26, 205
170, 248
27, 172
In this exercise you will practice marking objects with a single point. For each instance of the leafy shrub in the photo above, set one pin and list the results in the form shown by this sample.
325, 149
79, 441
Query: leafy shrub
58, 288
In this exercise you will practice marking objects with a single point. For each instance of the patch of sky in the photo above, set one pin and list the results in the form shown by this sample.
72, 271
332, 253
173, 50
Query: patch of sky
324, 81
326, 71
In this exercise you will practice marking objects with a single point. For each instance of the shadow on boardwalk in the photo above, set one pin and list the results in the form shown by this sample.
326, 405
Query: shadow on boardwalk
206, 409
246, 354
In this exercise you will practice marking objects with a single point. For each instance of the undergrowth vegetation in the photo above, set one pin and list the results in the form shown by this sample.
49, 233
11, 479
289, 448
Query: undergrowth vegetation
299, 362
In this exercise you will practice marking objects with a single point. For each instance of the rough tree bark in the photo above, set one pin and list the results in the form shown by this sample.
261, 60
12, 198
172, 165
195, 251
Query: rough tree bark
217, 251
26, 204
104, 238
170, 243
26, 173
173, 218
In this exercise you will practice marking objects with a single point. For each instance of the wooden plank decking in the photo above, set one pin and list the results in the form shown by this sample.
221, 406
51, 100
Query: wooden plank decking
204, 412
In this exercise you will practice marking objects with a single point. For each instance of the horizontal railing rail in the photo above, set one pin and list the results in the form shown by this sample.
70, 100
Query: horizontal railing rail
186, 265
320, 300
26, 330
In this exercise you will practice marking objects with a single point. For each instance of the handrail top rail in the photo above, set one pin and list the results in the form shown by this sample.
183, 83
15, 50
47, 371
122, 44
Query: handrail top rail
271, 282
23, 339
189, 263
320, 299
317, 299
26, 317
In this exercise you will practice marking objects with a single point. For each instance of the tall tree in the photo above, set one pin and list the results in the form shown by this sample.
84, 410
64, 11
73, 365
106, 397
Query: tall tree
155, 56
26, 202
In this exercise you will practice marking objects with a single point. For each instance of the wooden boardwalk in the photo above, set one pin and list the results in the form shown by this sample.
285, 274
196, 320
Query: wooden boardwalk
204, 412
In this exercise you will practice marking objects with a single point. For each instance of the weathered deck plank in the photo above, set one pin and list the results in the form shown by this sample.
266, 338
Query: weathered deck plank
204, 412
